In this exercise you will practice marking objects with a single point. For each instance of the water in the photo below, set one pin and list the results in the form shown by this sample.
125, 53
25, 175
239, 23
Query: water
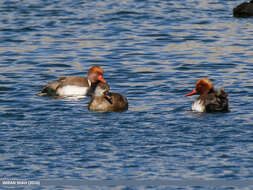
152, 52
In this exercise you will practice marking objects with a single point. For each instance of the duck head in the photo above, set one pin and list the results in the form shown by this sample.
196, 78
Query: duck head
203, 86
95, 74
102, 90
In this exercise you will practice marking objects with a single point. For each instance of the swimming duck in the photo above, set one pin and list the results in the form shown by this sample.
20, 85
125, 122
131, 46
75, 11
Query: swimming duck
244, 10
104, 101
209, 99
74, 85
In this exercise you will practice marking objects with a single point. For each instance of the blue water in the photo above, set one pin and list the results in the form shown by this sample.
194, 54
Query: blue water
152, 52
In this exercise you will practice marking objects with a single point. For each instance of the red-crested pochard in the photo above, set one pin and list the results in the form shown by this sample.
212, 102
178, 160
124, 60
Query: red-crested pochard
104, 101
209, 99
74, 85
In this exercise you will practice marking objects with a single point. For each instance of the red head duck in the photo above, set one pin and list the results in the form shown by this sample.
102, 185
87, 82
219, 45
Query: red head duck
74, 85
209, 99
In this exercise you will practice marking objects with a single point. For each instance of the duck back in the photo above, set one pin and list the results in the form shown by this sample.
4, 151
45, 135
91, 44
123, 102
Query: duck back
63, 84
217, 101
118, 103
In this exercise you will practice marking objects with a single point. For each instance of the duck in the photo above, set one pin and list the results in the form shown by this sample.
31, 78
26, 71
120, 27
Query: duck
244, 10
209, 100
105, 101
72, 86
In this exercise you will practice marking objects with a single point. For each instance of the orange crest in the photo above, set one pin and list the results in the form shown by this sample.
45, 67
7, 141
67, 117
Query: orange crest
204, 82
96, 69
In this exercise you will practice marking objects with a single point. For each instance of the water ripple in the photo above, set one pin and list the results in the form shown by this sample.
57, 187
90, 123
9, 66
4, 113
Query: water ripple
152, 52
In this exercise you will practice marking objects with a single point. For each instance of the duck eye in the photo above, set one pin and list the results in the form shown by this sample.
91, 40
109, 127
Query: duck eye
199, 87
106, 92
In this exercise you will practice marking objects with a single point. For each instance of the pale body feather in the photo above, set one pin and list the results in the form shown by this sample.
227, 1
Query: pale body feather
71, 90
198, 105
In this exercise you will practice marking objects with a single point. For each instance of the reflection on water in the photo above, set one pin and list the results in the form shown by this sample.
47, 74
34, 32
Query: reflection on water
152, 52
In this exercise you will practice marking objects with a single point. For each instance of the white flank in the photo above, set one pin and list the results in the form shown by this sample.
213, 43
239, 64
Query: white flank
72, 91
198, 106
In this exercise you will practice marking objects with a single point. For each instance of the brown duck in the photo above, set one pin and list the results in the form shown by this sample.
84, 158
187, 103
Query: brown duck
104, 101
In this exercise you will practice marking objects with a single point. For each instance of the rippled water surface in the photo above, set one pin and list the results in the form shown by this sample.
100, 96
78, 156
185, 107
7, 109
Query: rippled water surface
152, 52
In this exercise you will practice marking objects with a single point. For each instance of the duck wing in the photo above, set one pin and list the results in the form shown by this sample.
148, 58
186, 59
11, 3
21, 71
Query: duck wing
217, 101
